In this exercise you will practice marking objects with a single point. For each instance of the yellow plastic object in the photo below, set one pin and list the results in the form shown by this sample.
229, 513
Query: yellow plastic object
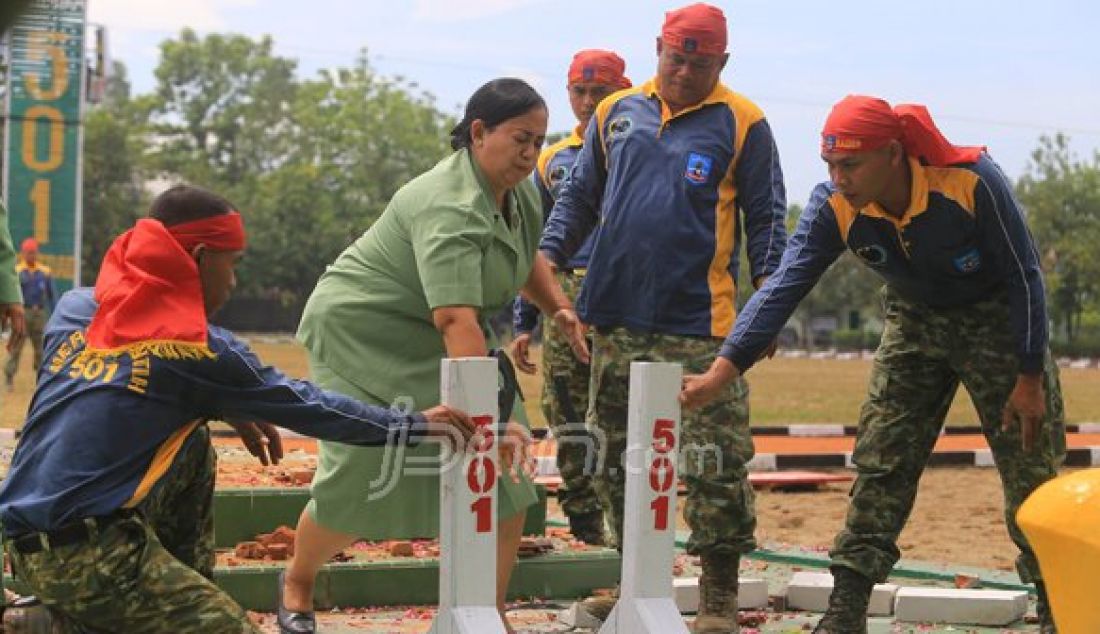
1062, 522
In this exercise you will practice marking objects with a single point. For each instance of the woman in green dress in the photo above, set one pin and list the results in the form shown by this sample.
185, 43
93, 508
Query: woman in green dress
451, 249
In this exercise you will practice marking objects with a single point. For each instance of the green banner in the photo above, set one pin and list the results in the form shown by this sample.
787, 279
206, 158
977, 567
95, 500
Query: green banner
43, 153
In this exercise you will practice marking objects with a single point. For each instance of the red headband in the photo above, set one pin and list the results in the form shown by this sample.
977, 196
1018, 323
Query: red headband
598, 66
149, 292
859, 123
224, 232
698, 28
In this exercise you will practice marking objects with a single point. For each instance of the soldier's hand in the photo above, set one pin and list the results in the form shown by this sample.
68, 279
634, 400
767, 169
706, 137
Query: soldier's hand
451, 424
515, 451
700, 389
575, 332
11, 315
1027, 407
521, 346
261, 439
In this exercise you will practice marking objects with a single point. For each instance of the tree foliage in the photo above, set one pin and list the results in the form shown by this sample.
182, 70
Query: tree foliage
311, 163
113, 174
1062, 196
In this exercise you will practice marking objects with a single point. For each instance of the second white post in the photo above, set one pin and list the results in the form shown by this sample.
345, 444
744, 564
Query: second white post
646, 604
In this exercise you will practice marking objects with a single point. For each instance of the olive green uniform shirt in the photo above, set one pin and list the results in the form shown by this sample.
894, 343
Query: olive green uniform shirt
368, 326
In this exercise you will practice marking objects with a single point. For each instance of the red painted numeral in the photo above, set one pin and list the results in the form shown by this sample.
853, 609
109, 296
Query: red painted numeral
481, 475
483, 509
660, 513
662, 472
484, 467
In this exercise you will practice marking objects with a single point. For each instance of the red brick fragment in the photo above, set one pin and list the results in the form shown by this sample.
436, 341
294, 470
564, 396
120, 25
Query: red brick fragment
278, 552
402, 549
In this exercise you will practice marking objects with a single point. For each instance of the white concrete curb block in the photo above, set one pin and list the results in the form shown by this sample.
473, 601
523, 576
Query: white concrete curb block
762, 462
970, 607
810, 591
752, 594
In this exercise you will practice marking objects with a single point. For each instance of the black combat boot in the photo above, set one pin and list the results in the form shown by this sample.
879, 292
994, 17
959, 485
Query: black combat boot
847, 613
588, 528
718, 594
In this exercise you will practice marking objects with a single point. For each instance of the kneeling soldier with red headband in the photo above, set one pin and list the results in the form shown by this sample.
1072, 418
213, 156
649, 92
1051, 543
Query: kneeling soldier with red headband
107, 507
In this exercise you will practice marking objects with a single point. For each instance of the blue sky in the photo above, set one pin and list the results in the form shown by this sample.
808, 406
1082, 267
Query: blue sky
993, 73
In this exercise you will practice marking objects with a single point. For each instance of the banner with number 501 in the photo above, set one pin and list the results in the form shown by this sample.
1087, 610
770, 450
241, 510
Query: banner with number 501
43, 132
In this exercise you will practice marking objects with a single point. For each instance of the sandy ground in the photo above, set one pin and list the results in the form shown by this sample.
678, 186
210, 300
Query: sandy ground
958, 518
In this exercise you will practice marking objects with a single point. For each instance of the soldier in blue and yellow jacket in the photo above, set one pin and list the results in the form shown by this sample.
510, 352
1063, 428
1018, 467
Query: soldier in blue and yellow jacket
593, 75
665, 169
107, 508
964, 303
39, 297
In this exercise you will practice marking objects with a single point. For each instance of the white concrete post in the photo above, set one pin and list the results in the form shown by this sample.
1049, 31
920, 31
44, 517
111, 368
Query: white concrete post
468, 512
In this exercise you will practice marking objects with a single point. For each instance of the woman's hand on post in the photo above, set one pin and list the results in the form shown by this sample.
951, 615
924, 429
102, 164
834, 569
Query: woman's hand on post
515, 451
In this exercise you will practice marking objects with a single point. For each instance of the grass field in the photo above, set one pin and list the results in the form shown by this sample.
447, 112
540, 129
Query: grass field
784, 391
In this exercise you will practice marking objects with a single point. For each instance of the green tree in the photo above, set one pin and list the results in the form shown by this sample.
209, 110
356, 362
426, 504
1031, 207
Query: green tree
1062, 197
112, 191
847, 286
312, 163
356, 138
222, 109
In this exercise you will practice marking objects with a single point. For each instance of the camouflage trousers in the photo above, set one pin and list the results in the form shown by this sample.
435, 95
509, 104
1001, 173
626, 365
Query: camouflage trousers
148, 571
924, 355
36, 327
715, 442
564, 403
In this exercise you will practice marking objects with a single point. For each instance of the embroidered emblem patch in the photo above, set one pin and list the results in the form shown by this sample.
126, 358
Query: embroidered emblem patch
558, 174
697, 170
619, 127
969, 261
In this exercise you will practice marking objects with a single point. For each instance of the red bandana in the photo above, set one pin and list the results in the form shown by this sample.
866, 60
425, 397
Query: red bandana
149, 292
858, 123
600, 67
698, 28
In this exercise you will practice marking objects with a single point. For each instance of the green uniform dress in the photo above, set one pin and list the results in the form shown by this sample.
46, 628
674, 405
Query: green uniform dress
368, 327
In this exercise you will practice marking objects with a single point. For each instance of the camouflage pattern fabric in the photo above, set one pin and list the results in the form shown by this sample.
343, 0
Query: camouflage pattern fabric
564, 403
715, 442
180, 507
924, 355
126, 579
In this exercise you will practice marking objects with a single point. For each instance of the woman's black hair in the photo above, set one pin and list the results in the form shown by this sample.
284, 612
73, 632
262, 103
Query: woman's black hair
494, 103
185, 203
